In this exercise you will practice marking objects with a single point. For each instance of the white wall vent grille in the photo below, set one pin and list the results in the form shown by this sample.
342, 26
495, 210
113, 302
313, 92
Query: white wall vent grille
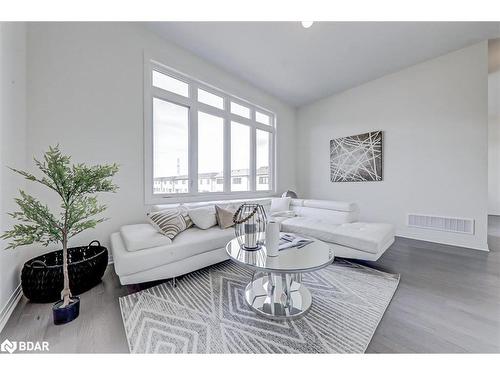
442, 223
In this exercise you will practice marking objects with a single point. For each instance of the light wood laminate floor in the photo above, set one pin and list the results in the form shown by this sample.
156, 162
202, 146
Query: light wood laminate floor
448, 301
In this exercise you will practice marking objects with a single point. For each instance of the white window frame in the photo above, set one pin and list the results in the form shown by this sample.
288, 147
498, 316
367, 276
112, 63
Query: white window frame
194, 106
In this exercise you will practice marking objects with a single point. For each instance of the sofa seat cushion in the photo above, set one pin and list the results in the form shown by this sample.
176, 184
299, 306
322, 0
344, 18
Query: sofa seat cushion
192, 241
142, 236
368, 237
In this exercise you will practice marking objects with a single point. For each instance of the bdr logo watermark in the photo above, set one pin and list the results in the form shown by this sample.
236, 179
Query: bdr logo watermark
24, 346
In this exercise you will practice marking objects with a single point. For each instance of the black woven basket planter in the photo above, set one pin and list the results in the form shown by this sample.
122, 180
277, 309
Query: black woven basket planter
42, 277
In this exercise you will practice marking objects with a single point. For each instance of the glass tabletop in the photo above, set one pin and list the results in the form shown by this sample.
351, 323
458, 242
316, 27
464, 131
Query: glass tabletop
311, 257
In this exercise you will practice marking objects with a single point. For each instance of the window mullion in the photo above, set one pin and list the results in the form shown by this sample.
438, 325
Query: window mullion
253, 153
275, 154
193, 141
227, 147
170, 97
265, 128
272, 146
148, 134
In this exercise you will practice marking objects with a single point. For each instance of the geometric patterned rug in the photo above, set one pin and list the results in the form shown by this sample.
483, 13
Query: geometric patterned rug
207, 313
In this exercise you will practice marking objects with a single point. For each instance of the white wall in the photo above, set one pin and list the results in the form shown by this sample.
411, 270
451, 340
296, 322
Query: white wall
434, 118
494, 127
85, 91
12, 147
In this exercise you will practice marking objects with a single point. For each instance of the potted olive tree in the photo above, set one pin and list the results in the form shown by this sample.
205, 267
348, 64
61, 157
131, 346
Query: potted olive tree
76, 185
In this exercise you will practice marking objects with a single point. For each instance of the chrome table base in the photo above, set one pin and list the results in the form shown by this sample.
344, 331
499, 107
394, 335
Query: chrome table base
278, 295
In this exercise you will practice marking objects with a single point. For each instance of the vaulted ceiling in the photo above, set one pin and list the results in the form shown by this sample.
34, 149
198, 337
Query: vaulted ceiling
301, 65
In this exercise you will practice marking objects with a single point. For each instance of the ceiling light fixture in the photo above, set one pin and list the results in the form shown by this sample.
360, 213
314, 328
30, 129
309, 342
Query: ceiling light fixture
307, 24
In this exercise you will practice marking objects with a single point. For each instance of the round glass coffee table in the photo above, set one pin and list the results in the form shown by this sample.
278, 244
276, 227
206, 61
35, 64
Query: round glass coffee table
276, 290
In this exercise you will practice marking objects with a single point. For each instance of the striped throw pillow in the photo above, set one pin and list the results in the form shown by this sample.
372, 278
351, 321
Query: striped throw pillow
170, 222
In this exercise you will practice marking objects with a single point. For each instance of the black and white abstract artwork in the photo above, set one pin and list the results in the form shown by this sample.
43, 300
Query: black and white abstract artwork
356, 158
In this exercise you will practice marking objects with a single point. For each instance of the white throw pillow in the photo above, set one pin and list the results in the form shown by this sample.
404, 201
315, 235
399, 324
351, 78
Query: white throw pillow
203, 217
170, 222
280, 204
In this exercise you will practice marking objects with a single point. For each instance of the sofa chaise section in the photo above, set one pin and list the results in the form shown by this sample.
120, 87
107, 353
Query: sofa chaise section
337, 224
367, 241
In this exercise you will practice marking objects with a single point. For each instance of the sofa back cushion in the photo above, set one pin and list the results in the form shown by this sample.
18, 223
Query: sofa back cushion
266, 202
334, 212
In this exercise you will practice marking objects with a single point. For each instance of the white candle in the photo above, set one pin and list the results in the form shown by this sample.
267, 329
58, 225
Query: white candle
272, 238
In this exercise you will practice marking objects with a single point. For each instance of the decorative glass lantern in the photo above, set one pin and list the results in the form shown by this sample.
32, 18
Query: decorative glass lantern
250, 226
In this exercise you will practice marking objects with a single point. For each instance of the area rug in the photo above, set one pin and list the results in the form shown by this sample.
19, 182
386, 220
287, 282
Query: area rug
206, 313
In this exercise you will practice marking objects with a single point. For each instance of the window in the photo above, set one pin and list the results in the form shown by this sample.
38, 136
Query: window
210, 99
170, 84
170, 142
240, 110
262, 158
240, 156
262, 118
200, 140
210, 149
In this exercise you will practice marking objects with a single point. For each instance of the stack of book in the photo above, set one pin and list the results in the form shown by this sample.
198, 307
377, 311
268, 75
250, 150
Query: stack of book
288, 240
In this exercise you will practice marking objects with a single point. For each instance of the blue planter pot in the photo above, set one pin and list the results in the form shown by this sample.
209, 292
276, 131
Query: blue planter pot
63, 315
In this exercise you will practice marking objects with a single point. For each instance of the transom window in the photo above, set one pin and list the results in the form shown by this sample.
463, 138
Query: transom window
200, 140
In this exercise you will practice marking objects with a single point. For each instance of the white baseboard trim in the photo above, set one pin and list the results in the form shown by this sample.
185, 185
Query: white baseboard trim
480, 248
7, 310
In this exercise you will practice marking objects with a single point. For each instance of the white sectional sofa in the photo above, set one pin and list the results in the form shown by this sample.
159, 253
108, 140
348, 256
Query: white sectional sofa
141, 254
